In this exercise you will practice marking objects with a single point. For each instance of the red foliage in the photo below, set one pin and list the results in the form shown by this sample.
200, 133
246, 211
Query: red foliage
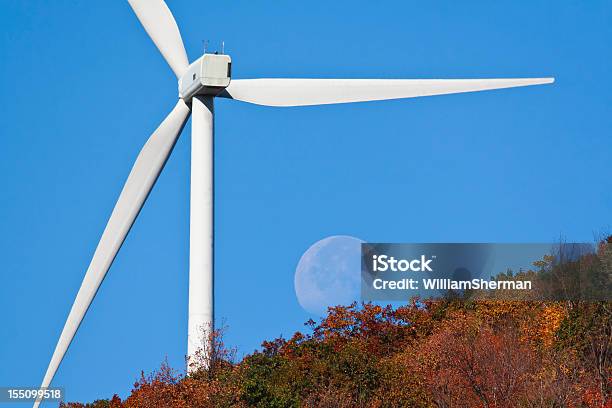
493, 354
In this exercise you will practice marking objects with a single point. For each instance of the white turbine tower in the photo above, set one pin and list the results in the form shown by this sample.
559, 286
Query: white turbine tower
199, 83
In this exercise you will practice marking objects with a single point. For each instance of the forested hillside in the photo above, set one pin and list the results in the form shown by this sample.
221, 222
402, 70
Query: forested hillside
443, 353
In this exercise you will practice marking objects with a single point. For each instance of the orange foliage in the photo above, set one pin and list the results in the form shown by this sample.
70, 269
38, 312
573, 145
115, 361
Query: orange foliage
484, 353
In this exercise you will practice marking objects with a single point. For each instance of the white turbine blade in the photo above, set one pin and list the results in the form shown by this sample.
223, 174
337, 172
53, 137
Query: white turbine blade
157, 20
302, 92
143, 175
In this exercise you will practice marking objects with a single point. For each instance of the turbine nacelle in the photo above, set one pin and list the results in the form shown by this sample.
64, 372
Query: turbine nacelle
208, 75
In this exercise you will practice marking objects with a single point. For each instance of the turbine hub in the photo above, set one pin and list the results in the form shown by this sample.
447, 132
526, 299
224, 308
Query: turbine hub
208, 75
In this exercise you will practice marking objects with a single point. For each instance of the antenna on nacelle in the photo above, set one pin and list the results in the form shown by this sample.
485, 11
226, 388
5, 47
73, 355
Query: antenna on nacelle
222, 47
205, 45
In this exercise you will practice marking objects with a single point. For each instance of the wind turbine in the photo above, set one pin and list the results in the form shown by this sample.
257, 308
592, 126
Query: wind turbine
199, 83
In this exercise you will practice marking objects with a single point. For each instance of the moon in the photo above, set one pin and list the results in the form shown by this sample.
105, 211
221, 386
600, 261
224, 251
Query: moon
329, 274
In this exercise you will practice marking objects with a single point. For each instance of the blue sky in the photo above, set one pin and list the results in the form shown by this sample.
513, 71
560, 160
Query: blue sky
82, 87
